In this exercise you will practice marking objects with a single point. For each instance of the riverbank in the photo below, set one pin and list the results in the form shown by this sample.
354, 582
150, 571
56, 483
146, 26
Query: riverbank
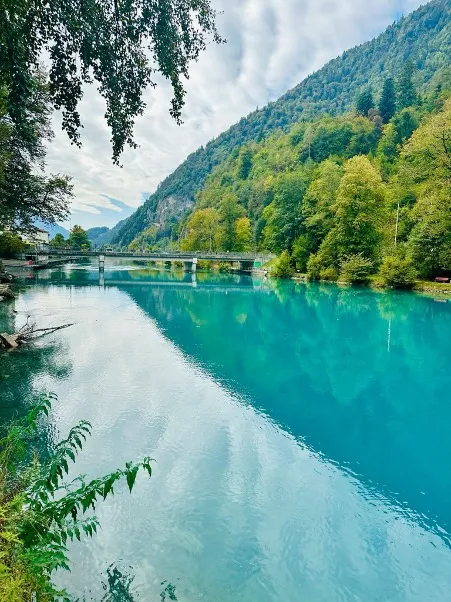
420, 286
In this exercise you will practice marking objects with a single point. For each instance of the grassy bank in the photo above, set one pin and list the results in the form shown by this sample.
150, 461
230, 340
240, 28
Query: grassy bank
420, 286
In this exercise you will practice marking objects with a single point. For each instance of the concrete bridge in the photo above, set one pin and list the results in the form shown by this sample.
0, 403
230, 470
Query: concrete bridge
246, 261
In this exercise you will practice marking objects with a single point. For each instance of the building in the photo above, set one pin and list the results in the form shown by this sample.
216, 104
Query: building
39, 237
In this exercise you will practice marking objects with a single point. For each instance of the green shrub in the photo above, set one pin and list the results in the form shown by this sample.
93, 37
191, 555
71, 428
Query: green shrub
314, 267
397, 272
40, 512
328, 274
283, 267
356, 269
10, 244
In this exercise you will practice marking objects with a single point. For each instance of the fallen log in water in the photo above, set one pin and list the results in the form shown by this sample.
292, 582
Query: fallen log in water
26, 334
9, 341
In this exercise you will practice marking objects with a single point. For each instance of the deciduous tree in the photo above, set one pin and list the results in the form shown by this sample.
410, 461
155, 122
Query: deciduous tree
121, 46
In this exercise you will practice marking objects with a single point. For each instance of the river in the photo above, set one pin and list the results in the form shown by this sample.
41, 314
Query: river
301, 433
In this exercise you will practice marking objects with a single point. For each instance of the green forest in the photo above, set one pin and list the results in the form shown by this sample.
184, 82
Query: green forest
423, 36
340, 197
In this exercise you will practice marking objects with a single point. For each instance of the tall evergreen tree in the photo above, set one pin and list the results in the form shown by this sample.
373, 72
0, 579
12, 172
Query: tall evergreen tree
365, 102
387, 103
407, 95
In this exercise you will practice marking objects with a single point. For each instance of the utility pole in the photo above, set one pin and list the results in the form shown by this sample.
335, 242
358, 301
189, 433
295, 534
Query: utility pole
397, 222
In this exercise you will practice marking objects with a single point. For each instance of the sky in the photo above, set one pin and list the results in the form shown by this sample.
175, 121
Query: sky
272, 45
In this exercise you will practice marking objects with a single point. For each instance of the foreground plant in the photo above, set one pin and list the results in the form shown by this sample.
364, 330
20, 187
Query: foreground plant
41, 511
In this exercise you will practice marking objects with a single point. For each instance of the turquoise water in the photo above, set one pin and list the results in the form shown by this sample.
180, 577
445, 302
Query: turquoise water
302, 433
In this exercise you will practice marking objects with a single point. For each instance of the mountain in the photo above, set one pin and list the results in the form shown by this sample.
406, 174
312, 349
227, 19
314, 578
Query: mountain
103, 235
99, 236
423, 37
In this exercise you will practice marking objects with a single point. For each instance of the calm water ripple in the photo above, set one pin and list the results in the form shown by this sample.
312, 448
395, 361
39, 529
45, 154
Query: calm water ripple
302, 433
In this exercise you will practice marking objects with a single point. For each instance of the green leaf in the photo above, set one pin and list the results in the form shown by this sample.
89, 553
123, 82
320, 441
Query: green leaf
131, 476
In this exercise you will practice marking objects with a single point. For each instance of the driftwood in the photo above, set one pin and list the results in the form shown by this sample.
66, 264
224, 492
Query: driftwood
5, 291
10, 341
26, 334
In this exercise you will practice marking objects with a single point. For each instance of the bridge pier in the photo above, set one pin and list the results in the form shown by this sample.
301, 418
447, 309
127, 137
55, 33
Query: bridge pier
190, 266
101, 263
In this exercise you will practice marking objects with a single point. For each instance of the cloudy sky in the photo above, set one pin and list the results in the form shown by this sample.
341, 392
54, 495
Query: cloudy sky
272, 45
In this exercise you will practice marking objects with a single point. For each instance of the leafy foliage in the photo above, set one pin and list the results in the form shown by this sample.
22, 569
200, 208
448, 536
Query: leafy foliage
424, 35
397, 272
356, 269
338, 194
118, 45
283, 267
27, 193
41, 512
10, 244
79, 238
365, 102
387, 102
58, 241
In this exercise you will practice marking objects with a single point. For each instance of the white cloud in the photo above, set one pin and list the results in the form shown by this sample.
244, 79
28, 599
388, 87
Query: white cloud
272, 45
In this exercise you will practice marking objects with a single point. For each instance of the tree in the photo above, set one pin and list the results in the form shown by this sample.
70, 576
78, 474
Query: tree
245, 164
10, 244
407, 95
119, 45
201, 231
243, 234
27, 193
387, 102
79, 238
283, 267
283, 216
356, 269
43, 511
229, 212
365, 102
359, 215
397, 272
58, 240
318, 201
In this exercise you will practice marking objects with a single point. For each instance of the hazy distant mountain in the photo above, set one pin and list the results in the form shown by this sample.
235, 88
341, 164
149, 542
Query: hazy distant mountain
102, 235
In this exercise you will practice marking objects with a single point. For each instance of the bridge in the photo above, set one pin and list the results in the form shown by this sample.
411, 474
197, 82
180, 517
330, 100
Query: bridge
246, 261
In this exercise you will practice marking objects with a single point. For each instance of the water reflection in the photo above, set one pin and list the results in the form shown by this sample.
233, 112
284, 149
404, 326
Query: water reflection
316, 360
336, 487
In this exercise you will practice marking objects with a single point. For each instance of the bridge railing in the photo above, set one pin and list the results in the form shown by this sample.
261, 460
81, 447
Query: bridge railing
164, 255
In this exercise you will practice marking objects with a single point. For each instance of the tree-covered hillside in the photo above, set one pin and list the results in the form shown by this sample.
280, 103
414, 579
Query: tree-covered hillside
424, 37
342, 197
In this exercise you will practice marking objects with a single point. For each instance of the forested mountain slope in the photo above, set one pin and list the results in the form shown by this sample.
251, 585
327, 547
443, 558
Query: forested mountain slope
340, 197
424, 36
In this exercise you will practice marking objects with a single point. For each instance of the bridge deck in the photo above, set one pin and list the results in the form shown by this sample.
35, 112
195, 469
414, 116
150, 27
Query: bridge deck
173, 256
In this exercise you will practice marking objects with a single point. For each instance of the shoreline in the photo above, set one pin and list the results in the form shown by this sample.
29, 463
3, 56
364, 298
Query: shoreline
420, 287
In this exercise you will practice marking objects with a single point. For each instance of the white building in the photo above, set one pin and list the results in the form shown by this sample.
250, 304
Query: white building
38, 237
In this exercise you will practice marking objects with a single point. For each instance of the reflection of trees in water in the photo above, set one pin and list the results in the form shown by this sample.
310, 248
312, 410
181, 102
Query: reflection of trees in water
118, 587
316, 360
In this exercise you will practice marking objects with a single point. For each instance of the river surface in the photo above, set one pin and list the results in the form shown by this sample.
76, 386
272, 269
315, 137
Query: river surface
301, 433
